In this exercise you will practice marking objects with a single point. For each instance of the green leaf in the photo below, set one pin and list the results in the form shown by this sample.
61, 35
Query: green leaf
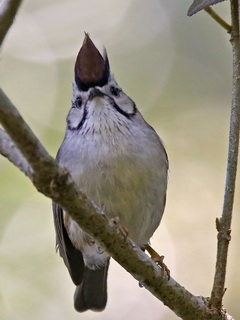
199, 5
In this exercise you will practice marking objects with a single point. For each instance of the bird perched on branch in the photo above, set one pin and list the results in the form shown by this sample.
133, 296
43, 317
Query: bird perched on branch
118, 161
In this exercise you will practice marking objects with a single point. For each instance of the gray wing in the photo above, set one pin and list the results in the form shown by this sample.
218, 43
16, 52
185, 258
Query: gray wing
72, 257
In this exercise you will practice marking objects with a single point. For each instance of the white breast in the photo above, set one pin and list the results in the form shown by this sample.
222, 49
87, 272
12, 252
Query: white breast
124, 172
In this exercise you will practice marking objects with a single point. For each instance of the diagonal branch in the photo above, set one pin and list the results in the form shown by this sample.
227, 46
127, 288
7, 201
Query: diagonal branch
218, 19
9, 150
8, 11
224, 224
56, 183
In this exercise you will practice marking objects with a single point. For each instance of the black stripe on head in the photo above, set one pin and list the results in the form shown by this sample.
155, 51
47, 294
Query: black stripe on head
80, 124
127, 115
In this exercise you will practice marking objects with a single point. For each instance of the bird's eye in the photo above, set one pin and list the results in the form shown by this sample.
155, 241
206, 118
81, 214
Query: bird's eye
77, 102
115, 91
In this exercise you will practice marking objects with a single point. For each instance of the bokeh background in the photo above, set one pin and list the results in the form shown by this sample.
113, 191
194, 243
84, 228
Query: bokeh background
178, 71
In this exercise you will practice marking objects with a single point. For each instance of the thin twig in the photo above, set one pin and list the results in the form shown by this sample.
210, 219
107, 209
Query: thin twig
224, 224
8, 11
9, 150
219, 20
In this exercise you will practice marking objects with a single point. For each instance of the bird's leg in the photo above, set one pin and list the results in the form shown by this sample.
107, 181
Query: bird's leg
158, 259
123, 230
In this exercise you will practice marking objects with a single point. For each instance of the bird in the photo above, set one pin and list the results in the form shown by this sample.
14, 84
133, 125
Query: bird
118, 161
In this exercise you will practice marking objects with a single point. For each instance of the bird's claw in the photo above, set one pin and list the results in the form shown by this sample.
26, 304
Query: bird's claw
123, 230
158, 260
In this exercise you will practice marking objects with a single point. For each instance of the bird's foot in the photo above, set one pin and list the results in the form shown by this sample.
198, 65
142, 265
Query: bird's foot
158, 260
123, 230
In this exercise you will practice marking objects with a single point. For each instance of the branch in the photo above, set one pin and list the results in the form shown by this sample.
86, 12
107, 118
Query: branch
9, 150
56, 183
8, 11
224, 224
218, 19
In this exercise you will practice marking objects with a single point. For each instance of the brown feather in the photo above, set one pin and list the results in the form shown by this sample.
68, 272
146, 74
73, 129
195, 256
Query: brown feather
90, 65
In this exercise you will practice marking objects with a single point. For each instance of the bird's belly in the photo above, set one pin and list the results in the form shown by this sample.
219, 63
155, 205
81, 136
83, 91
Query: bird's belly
133, 194
123, 182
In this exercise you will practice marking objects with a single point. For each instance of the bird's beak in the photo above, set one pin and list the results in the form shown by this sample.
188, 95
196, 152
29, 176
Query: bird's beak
95, 93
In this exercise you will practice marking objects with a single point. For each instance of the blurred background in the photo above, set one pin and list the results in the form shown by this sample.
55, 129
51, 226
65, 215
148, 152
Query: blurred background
178, 71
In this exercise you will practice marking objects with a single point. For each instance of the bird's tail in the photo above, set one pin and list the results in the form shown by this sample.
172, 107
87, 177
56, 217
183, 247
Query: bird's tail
92, 292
